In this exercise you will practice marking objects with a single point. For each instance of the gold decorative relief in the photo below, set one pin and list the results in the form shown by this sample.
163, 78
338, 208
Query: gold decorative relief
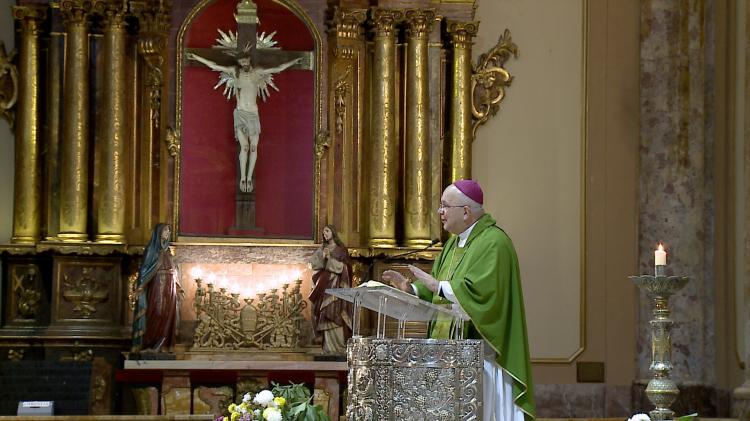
341, 90
132, 290
173, 142
83, 356
15, 354
322, 143
490, 79
8, 85
84, 292
26, 291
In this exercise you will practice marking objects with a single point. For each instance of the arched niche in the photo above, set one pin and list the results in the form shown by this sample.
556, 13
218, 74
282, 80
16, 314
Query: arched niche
206, 174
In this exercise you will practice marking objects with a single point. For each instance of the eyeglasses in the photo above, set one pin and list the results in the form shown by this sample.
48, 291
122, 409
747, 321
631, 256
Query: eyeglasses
443, 207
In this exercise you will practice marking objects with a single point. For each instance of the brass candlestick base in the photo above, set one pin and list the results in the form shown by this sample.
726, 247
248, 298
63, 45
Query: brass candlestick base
661, 391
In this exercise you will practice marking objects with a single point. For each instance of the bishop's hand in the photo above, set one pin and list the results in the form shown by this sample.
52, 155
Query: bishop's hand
398, 280
431, 283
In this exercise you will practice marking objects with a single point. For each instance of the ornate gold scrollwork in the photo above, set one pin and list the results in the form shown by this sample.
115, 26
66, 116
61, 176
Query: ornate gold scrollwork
322, 143
8, 85
173, 142
490, 79
85, 292
341, 89
150, 49
132, 290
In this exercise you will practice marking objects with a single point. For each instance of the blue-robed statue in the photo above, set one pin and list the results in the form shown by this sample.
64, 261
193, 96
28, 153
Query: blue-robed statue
157, 294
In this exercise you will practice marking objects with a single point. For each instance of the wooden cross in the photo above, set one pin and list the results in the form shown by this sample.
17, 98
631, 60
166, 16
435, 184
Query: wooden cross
247, 24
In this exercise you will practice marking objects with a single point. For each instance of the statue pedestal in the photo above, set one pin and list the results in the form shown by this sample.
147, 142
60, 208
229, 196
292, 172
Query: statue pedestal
244, 216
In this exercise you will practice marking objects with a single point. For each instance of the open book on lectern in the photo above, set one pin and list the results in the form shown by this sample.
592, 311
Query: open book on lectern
393, 302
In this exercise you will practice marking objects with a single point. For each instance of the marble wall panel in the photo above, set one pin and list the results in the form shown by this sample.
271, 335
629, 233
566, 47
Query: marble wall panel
676, 176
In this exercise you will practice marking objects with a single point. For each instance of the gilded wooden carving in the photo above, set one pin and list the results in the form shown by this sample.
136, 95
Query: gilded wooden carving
8, 85
26, 291
84, 292
490, 79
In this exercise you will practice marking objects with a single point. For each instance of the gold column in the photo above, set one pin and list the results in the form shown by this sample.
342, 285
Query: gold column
417, 202
27, 186
53, 98
460, 123
383, 140
111, 177
74, 169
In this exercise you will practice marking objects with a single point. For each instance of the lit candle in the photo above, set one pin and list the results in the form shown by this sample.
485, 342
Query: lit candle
660, 256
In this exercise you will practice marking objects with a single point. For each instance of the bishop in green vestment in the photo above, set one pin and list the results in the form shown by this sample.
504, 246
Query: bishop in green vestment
478, 269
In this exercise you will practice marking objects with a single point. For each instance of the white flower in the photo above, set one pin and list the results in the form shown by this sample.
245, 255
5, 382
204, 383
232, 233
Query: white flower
263, 397
247, 397
272, 414
256, 413
639, 417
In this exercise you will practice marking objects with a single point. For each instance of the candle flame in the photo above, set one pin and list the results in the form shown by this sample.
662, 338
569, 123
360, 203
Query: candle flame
196, 272
661, 247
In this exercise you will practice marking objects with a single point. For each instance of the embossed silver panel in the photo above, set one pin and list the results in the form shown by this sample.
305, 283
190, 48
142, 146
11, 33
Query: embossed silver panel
414, 379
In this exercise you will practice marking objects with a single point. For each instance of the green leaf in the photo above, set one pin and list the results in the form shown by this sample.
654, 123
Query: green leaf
690, 417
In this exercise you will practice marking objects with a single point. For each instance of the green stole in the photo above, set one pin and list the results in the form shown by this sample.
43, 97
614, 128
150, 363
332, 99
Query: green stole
442, 326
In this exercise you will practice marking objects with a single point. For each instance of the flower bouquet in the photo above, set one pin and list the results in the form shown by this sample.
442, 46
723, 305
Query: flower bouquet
282, 403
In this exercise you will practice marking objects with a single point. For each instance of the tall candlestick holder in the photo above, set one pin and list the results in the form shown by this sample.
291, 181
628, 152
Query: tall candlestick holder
661, 390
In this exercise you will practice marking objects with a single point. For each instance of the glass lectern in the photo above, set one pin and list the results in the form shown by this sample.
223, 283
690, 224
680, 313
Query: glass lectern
410, 379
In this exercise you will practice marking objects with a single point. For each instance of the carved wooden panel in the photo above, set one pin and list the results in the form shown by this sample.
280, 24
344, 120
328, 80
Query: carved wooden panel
86, 291
26, 299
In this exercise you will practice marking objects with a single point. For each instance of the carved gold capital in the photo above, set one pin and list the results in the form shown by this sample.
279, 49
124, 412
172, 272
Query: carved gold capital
418, 22
462, 33
114, 15
154, 15
385, 20
75, 12
490, 79
348, 22
29, 17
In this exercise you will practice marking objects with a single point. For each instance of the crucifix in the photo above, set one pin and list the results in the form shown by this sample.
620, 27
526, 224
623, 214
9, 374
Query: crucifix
247, 63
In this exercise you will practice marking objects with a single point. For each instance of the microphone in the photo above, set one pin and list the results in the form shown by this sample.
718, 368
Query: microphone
410, 252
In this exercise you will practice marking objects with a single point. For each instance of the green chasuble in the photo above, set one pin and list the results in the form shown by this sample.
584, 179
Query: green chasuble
484, 276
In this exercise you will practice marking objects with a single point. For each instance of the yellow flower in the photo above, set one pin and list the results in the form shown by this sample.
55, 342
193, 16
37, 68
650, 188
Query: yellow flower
280, 401
232, 408
235, 416
244, 406
226, 419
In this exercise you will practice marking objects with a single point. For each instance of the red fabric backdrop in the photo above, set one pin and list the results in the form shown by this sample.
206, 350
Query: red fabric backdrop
284, 170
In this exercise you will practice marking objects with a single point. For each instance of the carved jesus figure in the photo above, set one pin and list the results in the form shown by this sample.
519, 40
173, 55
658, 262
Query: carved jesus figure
246, 82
